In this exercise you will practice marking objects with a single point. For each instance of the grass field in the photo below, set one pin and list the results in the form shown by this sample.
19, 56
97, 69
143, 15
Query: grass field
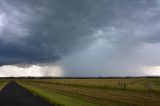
96, 92
3, 83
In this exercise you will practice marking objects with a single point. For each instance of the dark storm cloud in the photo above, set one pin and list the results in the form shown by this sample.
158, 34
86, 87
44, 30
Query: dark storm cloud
44, 31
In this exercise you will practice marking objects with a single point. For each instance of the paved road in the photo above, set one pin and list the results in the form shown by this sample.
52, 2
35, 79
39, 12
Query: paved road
15, 95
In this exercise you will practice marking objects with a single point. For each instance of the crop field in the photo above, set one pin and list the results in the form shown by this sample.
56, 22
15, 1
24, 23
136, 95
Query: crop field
96, 92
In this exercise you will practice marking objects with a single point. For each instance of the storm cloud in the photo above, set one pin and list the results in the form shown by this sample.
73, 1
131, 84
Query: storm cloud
82, 36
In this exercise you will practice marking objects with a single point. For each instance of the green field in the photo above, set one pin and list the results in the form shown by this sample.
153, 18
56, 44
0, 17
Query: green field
2, 83
96, 92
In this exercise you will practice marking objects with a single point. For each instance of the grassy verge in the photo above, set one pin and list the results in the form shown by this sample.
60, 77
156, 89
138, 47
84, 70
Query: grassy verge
60, 97
75, 95
3, 84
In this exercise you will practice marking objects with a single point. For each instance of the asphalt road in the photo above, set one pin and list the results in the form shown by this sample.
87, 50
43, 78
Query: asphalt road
15, 95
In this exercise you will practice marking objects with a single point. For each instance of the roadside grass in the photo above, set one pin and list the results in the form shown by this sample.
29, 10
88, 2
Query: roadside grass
3, 83
64, 98
90, 92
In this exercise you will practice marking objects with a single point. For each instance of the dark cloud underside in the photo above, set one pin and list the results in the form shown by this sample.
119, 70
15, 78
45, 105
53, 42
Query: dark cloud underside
44, 31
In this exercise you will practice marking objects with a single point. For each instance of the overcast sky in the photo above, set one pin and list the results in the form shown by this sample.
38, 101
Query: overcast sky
79, 37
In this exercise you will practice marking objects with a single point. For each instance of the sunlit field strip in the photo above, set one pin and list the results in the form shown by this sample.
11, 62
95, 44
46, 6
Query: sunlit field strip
134, 84
105, 95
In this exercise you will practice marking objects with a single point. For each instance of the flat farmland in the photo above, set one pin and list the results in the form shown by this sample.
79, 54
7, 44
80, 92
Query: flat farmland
96, 92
